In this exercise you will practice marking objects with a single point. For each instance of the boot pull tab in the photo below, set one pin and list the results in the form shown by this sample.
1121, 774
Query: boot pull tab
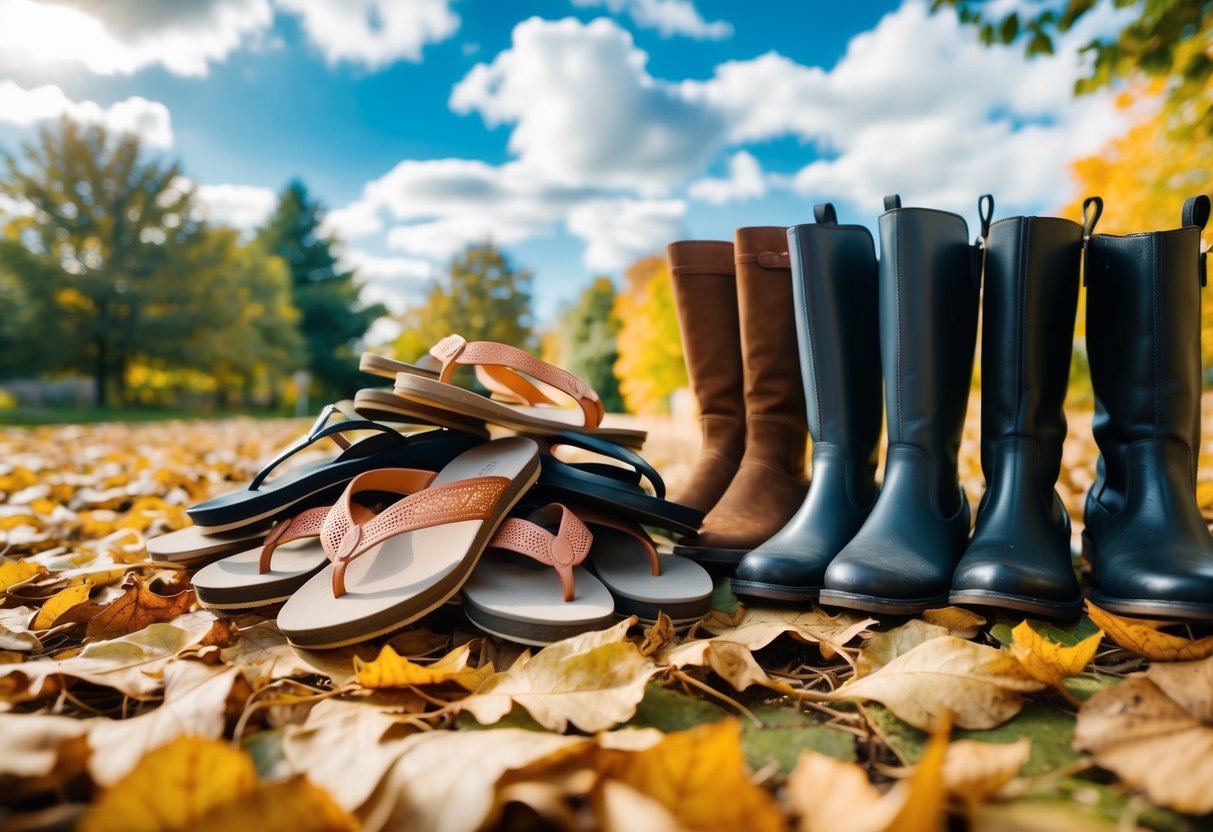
825, 214
985, 212
892, 202
1196, 212
1092, 210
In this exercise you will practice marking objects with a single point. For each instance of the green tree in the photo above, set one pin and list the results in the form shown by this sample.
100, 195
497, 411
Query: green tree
332, 319
650, 365
1166, 40
107, 224
482, 297
584, 341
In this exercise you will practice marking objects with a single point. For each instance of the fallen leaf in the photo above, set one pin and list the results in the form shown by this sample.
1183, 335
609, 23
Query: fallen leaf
1145, 637
138, 607
830, 795
1047, 662
958, 621
14, 630
263, 652
593, 680
923, 808
690, 771
30, 744
199, 701
293, 805
391, 670
60, 603
978, 685
13, 572
1153, 731
759, 626
658, 635
621, 808
976, 771
882, 648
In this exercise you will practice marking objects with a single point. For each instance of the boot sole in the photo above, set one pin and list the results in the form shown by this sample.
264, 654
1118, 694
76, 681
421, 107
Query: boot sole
774, 592
889, 606
1017, 603
1142, 607
712, 557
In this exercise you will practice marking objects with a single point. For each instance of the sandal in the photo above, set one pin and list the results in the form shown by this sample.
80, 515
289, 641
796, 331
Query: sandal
192, 546
520, 600
409, 559
321, 482
507, 366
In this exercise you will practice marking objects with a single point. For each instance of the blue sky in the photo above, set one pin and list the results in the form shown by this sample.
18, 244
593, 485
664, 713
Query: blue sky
580, 134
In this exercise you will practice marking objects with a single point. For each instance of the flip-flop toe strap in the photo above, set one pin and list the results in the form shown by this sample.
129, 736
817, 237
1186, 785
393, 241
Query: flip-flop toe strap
591, 517
562, 550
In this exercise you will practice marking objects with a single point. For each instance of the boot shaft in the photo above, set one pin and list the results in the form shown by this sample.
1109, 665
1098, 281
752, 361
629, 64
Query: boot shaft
1028, 309
834, 281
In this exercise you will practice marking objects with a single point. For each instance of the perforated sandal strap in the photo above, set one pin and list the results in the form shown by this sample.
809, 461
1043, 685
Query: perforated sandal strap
455, 351
593, 517
344, 538
303, 525
562, 550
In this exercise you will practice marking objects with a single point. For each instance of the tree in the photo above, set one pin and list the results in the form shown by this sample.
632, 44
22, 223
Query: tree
584, 341
650, 365
1167, 40
106, 223
482, 297
332, 319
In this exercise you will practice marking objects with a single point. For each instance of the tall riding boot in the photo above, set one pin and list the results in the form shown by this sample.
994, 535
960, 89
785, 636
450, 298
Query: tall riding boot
1145, 539
901, 561
1019, 558
770, 484
834, 278
705, 292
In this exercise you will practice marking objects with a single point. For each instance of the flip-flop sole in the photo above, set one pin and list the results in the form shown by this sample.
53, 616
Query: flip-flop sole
443, 396
234, 583
386, 406
192, 545
412, 574
523, 602
682, 591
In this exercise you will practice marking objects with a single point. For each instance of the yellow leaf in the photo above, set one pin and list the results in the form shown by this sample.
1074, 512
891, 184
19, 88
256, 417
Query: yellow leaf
759, 626
691, 772
1047, 662
593, 680
293, 805
976, 771
882, 648
659, 635
15, 571
1153, 730
59, 603
923, 808
391, 670
731, 661
956, 620
174, 788
136, 608
1144, 637
978, 685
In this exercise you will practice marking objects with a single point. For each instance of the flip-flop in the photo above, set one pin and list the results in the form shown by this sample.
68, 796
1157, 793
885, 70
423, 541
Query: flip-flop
611, 488
320, 481
643, 582
526, 601
512, 388
509, 365
410, 558
192, 546
386, 406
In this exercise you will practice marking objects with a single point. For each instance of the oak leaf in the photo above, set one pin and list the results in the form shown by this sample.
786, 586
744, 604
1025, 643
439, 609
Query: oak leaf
1145, 637
978, 685
1047, 662
1153, 730
593, 680
138, 607
391, 670
689, 771
60, 603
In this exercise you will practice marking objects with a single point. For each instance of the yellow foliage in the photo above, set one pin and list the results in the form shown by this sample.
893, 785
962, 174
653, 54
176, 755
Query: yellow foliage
59, 603
650, 365
1049, 663
1147, 639
391, 670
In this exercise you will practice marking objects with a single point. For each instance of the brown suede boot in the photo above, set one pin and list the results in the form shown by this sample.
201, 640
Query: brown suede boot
770, 483
705, 292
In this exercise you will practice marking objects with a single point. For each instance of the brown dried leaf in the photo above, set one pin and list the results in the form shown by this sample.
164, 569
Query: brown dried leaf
731, 661
759, 626
138, 607
976, 771
959, 622
882, 648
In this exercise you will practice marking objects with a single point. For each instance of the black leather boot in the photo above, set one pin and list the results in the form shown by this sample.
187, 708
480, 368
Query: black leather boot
1019, 558
834, 277
901, 560
1149, 547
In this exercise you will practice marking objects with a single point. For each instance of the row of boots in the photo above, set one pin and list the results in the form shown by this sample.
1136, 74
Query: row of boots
794, 333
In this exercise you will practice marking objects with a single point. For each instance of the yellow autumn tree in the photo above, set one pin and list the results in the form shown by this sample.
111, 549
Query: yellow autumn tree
650, 365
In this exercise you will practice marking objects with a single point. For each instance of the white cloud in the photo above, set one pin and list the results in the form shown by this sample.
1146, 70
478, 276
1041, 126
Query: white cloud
150, 120
15, 206
374, 32
122, 36
241, 206
668, 17
745, 181
620, 231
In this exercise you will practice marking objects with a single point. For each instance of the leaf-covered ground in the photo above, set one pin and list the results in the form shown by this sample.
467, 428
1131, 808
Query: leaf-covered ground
123, 705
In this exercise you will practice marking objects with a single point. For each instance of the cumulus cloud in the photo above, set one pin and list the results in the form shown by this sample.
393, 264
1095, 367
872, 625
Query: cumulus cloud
149, 120
668, 17
241, 206
374, 33
122, 36
744, 181
619, 231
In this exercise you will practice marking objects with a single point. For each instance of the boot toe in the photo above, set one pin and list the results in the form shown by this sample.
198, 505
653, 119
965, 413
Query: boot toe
780, 569
1184, 578
1004, 572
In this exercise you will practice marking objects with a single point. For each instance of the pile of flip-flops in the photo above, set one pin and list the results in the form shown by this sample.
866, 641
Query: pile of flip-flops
403, 521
